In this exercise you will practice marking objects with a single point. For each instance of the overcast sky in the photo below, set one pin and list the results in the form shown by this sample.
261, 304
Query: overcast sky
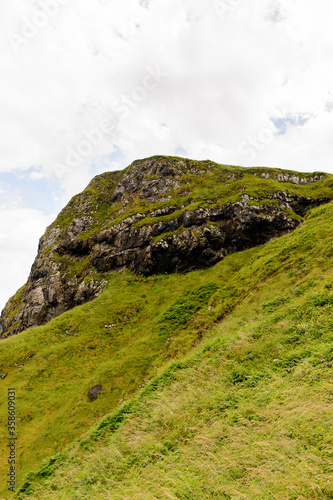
91, 85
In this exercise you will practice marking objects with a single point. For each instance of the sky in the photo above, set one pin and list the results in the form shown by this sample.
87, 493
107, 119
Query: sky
90, 86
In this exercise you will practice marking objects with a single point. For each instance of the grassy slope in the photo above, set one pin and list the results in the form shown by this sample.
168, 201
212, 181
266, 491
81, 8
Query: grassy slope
220, 185
247, 415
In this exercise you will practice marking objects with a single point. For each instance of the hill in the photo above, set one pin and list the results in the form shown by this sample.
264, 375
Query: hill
160, 215
211, 384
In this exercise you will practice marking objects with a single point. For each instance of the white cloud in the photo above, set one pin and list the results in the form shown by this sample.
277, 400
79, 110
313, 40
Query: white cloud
231, 67
226, 75
19, 233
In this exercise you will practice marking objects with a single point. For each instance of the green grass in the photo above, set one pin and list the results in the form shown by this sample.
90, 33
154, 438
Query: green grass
244, 412
219, 186
12, 307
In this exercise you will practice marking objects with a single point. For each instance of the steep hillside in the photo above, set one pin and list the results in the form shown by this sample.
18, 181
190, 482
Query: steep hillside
250, 329
245, 415
248, 413
159, 215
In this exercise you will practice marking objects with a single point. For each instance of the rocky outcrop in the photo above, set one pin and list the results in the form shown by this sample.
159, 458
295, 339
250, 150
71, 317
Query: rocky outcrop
150, 219
201, 238
293, 178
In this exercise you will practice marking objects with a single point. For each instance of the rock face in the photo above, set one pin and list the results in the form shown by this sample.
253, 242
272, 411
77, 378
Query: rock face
160, 215
204, 236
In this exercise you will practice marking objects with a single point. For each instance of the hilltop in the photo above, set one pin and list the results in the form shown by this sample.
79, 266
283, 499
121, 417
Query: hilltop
207, 383
159, 215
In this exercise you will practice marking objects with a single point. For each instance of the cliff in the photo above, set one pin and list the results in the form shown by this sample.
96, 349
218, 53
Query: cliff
159, 215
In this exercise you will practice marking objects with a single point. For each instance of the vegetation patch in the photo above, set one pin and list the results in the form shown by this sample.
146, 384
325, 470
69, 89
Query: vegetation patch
216, 384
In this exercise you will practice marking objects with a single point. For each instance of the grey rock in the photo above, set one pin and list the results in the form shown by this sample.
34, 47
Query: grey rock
199, 237
94, 392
